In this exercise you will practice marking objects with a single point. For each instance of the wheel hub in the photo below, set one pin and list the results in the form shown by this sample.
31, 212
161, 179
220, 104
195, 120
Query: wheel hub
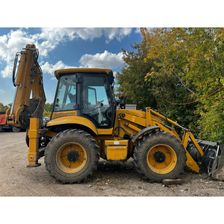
73, 156
159, 157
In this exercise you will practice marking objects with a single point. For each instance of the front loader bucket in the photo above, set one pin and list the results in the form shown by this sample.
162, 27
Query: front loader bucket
213, 159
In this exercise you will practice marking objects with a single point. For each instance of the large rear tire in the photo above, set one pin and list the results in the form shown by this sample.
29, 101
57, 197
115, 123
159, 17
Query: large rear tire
71, 156
160, 156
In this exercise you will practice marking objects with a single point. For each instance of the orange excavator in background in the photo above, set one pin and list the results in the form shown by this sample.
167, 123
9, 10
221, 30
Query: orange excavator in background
3, 121
87, 123
4, 126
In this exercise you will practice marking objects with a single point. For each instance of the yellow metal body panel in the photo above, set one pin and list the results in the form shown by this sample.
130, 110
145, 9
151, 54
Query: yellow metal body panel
60, 72
80, 121
63, 114
190, 161
136, 113
129, 122
108, 131
196, 144
116, 149
32, 156
73, 120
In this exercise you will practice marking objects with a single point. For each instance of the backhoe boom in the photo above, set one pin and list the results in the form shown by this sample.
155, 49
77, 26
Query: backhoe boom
29, 97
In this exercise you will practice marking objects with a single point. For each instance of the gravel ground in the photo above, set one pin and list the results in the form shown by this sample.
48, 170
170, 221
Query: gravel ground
111, 179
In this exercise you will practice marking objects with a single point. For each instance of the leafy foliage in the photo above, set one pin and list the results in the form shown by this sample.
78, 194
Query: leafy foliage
131, 79
3, 107
182, 70
48, 109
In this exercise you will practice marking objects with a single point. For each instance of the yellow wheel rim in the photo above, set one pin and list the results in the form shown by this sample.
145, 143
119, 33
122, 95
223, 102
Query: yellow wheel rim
161, 159
71, 158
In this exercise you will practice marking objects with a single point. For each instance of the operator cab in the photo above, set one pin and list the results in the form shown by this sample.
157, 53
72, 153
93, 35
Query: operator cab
89, 92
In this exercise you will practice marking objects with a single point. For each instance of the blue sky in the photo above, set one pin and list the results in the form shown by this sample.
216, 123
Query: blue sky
63, 47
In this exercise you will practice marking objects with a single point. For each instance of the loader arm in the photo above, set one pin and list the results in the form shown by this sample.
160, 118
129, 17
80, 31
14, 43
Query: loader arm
29, 98
200, 155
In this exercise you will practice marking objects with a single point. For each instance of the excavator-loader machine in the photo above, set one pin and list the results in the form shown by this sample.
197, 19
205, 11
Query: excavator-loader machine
87, 123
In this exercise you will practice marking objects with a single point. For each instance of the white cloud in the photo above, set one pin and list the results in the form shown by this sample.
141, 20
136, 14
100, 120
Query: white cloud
57, 34
12, 42
7, 71
103, 60
48, 68
116, 33
137, 30
48, 39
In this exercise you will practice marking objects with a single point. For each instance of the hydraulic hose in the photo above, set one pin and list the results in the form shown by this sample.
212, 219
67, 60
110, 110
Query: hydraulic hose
14, 69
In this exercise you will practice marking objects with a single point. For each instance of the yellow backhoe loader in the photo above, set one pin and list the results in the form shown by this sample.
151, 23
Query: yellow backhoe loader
88, 123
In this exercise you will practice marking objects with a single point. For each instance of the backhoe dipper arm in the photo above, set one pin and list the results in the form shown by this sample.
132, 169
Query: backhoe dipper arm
30, 97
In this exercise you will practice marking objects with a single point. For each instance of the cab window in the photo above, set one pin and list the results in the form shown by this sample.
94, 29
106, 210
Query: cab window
66, 94
96, 101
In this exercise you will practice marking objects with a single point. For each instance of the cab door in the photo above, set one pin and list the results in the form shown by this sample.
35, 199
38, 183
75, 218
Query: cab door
97, 100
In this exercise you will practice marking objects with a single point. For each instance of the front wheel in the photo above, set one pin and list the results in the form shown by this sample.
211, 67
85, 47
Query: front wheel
71, 156
160, 156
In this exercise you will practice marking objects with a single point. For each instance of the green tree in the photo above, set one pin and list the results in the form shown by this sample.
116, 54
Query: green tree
131, 79
183, 67
3, 108
48, 109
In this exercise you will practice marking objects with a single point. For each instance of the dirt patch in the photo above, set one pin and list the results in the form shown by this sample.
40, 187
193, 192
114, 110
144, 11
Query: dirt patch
111, 178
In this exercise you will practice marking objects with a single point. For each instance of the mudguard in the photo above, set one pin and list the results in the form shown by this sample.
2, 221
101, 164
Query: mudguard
144, 131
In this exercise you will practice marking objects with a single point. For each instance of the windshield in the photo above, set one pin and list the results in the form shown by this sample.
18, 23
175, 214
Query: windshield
66, 94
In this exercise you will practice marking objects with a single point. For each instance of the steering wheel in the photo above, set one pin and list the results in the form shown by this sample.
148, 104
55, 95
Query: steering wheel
98, 105
108, 113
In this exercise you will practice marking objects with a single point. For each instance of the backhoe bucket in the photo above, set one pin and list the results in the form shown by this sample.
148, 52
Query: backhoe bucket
213, 159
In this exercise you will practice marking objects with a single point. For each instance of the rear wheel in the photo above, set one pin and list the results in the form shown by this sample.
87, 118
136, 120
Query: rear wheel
71, 156
160, 156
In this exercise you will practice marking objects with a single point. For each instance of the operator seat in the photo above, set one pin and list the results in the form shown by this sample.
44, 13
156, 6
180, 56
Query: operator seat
72, 104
